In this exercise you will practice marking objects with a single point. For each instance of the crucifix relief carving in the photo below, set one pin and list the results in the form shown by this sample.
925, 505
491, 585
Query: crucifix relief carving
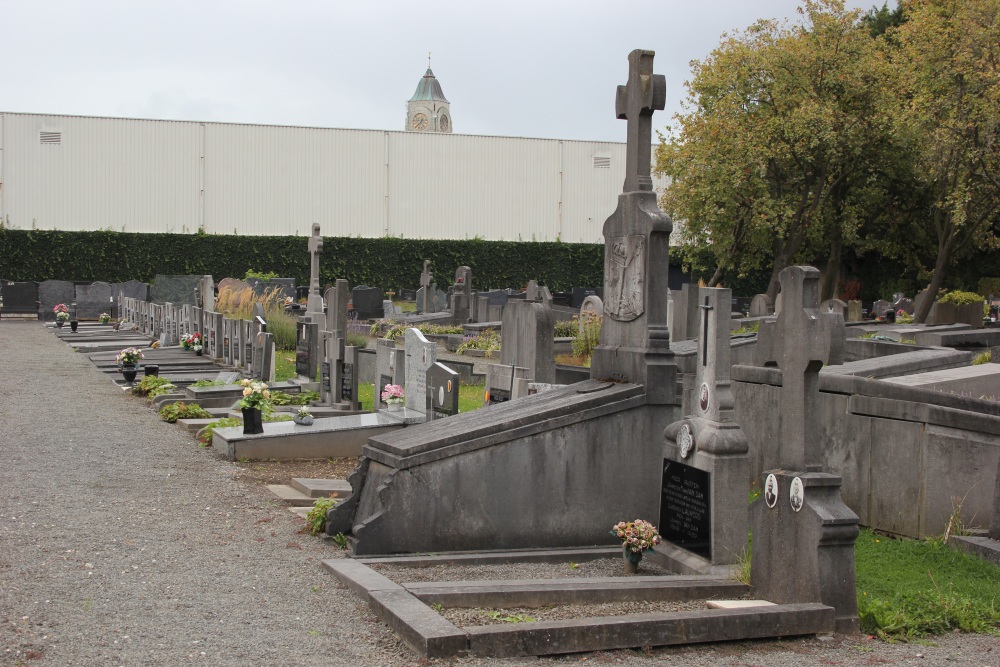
644, 93
800, 343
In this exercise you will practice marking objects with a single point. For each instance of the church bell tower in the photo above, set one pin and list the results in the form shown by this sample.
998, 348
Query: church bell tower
428, 110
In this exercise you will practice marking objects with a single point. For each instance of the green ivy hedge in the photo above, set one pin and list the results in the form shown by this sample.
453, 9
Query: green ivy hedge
389, 263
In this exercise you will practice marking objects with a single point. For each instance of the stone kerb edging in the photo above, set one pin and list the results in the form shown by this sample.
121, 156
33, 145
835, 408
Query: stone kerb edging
405, 609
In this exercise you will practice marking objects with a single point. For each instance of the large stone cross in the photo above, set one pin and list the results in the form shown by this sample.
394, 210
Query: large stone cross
425, 281
644, 93
800, 343
314, 307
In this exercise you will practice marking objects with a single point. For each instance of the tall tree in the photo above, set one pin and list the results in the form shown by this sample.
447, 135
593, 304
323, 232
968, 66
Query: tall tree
948, 67
780, 130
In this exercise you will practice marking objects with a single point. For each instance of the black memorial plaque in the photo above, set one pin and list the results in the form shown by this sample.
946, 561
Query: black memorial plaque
442, 390
685, 508
499, 395
302, 360
347, 383
325, 370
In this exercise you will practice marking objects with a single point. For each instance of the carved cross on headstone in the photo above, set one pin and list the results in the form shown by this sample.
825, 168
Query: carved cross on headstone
644, 93
425, 281
315, 303
800, 342
713, 397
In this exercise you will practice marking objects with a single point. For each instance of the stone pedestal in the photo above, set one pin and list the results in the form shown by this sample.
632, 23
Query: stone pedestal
805, 554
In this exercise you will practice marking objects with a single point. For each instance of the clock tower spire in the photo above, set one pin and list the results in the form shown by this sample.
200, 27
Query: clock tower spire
428, 110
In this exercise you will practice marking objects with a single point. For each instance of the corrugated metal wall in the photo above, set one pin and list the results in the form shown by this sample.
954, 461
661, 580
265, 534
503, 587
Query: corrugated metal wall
172, 176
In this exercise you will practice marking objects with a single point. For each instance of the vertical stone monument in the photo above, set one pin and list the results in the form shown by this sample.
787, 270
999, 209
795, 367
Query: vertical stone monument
635, 339
703, 506
803, 533
426, 282
314, 305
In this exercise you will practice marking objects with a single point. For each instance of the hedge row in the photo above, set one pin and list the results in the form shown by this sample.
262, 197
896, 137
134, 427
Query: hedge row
389, 263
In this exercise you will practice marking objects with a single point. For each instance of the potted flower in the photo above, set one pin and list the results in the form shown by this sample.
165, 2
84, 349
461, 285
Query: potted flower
637, 537
62, 314
103, 318
256, 397
186, 341
195, 341
303, 416
392, 396
127, 361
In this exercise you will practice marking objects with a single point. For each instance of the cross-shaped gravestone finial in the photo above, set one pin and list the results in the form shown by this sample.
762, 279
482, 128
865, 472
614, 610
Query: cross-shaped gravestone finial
315, 248
644, 93
800, 342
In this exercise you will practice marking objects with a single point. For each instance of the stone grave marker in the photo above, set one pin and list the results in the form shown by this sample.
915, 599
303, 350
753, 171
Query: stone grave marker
635, 338
461, 299
306, 349
442, 391
134, 289
761, 306
336, 308
578, 294
92, 300
236, 288
174, 288
834, 306
421, 355
390, 311
528, 329
703, 506
426, 281
591, 307
853, 311
228, 336
803, 533
903, 303
367, 302
349, 377
880, 308
51, 293
314, 304
19, 298
504, 383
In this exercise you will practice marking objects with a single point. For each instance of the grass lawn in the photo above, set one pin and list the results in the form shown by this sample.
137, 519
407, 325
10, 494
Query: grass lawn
470, 397
910, 588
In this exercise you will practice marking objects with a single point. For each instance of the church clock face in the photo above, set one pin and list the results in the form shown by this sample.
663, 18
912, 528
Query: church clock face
420, 122
443, 123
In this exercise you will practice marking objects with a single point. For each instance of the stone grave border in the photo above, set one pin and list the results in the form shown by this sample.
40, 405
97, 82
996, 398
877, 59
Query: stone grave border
406, 608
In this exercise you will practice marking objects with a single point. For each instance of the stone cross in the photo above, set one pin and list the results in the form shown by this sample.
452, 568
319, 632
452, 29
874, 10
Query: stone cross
644, 93
713, 395
425, 281
800, 343
315, 303
336, 308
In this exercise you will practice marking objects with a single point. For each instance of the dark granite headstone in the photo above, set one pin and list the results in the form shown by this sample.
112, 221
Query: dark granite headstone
442, 391
580, 293
685, 508
52, 292
92, 300
175, 289
19, 298
131, 289
367, 302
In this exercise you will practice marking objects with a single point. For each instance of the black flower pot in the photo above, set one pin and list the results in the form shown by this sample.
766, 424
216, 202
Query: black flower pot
252, 421
60, 323
73, 325
128, 372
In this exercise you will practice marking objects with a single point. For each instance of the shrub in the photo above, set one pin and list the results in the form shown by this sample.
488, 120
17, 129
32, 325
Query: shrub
316, 518
487, 341
148, 384
567, 328
181, 410
205, 434
989, 286
961, 298
589, 337
160, 391
302, 398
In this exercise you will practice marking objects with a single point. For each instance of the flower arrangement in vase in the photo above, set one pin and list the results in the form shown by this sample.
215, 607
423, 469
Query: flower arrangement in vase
103, 318
393, 395
62, 313
130, 356
637, 537
256, 398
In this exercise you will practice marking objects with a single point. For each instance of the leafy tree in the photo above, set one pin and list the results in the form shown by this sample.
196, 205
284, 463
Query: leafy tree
948, 67
779, 140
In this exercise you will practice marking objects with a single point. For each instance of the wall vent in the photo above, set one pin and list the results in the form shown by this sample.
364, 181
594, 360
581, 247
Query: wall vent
602, 162
50, 137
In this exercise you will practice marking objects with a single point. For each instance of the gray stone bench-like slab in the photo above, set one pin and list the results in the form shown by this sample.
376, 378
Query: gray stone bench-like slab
325, 438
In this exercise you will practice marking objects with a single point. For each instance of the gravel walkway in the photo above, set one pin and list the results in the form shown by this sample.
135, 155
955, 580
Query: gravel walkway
123, 543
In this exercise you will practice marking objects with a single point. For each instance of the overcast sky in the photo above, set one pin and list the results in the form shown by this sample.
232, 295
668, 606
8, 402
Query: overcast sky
541, 68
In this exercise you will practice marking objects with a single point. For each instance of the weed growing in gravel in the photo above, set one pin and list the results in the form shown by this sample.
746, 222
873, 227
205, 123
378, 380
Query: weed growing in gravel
509, 618
171, 413
316, 518
340, 540
205, 434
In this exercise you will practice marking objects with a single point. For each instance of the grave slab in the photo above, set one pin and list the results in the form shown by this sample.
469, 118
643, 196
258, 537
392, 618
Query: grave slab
321, 488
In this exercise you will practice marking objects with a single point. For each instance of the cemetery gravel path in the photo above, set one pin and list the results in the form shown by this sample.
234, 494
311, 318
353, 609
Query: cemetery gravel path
123, 543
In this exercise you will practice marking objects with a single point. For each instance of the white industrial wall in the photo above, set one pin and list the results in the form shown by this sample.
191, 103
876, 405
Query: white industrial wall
177, 176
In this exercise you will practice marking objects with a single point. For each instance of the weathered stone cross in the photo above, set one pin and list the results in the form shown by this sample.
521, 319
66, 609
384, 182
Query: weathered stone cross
644, 93
315, 248
425, 281
800, 342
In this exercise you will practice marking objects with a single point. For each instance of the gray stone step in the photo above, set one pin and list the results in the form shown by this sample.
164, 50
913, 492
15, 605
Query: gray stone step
321, 488
290, 496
